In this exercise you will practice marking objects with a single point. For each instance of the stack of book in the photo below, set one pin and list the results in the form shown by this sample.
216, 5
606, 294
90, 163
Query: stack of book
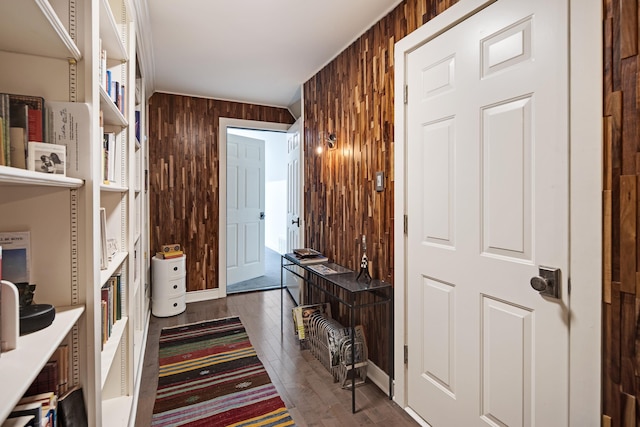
43, 401
306, 256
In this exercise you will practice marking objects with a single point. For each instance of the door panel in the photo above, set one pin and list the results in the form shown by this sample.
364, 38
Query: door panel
245, 203
487, 202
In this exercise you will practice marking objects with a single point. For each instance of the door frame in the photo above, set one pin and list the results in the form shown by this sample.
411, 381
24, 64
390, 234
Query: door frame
585, 205
225, 123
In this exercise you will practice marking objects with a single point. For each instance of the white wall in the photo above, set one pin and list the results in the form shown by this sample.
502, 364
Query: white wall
275, 183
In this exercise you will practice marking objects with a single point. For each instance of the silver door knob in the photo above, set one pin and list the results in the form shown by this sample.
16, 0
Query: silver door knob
547, 282
540, 284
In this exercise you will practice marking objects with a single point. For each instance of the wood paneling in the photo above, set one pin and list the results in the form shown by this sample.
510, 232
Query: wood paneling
353, 97
621, 246
183, 176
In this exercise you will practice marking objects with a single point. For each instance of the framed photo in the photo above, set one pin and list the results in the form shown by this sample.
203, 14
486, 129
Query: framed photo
47, 158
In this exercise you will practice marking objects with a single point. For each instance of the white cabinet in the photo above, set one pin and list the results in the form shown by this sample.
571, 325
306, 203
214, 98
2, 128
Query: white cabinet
52, 49
169, 281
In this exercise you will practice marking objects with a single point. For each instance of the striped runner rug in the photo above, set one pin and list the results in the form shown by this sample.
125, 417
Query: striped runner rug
210, 375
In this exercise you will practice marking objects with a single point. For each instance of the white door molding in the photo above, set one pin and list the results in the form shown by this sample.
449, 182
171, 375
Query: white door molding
585, 200
224, 123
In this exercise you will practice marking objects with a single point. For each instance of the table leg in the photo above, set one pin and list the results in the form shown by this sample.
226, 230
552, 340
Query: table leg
353, 358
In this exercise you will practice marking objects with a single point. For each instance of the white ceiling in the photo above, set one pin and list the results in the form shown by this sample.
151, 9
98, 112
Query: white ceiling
255, 51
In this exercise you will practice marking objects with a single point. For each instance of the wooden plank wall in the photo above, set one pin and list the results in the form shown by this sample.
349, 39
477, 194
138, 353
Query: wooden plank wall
183, 176
621, 246
353, 97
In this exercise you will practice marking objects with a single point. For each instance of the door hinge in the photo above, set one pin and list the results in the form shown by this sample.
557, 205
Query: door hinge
406, 93
406, 354
406, 224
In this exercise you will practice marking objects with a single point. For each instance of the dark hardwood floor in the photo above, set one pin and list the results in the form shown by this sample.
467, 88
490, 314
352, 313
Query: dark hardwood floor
306, 387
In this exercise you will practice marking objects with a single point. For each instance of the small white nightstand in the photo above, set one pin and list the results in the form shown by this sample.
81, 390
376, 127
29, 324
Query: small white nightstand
169, 286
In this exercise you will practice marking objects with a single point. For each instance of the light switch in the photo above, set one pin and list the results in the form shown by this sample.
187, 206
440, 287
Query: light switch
380, 181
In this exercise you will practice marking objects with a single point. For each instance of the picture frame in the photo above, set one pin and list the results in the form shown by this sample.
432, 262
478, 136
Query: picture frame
47, 158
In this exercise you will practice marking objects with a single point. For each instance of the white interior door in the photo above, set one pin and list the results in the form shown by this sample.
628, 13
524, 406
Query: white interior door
487, 205
294, 204
245, 208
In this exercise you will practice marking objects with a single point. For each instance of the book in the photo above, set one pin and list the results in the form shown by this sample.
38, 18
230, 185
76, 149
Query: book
69, 125
18, 134
18, 147
48, 402
104, 258
19, 421
16, 255
308, 256
35, 118
46, 380
29, 409
71, 409
323, 269
6, 120
302, 313
61, 358
47, 158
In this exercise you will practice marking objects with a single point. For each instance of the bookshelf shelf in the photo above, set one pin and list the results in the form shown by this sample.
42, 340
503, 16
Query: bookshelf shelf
112, 116
59, 51
116, 411
16, 176
113, 188
113, 266
19, 367
112, 346
38, 18
110, 34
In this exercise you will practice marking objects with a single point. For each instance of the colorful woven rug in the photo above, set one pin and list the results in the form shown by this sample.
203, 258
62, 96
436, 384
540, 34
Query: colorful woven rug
210, 375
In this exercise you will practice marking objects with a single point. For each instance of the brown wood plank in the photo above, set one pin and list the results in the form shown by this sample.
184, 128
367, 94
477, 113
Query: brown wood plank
628, 220
628, 28
606, 247
183, 190
628, 344
629, 118
628, 410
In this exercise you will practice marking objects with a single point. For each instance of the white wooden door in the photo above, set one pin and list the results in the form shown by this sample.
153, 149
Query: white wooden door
245, 208
487, 204
294, 204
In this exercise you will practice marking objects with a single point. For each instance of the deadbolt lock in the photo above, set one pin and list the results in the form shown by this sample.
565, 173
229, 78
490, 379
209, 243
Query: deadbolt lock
547, 282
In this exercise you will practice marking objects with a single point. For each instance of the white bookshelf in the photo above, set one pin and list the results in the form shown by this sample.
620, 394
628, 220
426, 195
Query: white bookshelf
51, 48
19, 367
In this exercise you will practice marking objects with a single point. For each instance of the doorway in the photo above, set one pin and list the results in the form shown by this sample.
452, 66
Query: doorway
263, 273
585, 188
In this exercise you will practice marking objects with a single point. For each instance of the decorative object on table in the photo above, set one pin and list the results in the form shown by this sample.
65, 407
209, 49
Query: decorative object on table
33, 317
10, 323
170, 251
210, 374
305, 256
364, 263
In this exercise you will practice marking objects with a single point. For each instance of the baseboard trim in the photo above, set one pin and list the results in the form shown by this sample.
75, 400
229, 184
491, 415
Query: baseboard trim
197, 296
378, 377
416, 417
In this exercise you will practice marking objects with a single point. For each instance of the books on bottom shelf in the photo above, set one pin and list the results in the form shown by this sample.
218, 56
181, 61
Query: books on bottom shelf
39, 404
110, 305
302, 313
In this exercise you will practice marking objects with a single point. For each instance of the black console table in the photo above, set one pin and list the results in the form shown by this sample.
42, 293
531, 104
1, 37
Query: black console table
352, 289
